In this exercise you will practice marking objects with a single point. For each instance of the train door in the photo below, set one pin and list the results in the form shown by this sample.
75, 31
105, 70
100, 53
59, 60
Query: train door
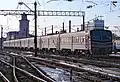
40, 43
28, 44
58, 42
72, 44
87, 42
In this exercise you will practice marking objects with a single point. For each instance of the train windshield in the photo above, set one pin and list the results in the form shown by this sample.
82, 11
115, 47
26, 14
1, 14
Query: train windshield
101, 35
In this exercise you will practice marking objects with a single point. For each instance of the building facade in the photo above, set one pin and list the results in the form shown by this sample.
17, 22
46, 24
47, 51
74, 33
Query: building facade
24, 27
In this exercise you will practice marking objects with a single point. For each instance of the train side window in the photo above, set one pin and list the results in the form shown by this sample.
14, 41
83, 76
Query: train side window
69, 39
73, 39
83, 39
53, 41
46, 41
50, 40
62, 40
65, 39
77, 39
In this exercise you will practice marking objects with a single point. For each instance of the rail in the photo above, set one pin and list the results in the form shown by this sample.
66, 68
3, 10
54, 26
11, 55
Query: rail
42, 75
23, 71
15, 78
5, 79
74, 67
47, 78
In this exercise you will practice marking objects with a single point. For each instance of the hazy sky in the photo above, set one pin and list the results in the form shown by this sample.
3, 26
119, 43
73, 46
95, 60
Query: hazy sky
103, 8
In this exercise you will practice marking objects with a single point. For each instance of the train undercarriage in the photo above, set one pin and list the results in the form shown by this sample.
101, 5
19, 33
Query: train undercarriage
64, 52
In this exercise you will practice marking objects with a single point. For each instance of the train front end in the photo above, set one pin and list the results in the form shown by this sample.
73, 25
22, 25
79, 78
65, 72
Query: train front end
101, 42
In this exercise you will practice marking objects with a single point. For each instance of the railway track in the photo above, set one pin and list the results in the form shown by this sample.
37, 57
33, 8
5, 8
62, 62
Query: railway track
102, 59
93, 71
87, 72
3, 78
81, 68
91, 61
20, 69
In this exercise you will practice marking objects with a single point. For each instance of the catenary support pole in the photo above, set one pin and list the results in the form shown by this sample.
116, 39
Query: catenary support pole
45, 31
35, 37
52, 29
69, 26
1, 37
63, 26
83, 23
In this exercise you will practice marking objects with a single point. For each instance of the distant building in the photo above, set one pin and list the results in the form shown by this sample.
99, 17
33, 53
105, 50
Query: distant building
24, 27
96, 24
12, 35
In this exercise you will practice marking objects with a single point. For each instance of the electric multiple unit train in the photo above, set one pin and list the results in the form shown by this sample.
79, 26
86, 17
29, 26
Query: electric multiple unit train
96, 41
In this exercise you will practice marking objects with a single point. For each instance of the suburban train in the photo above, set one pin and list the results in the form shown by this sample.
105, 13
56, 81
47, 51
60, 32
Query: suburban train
94, 42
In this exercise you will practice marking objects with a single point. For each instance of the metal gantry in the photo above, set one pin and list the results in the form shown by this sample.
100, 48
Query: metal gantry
43, 13
61, 13
15, 12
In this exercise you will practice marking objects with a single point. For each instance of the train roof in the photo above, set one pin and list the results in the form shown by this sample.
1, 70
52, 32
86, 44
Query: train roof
68, 34
100, 30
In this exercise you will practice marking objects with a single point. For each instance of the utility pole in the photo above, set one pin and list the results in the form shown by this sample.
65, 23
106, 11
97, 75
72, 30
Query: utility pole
35, 37
1, 36
83, 23
69, 26
52, 29
63, 26
45, 31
